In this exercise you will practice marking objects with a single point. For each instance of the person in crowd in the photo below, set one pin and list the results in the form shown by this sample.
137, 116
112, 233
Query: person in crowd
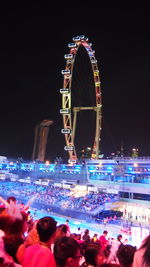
61, 231
103, 241
53, 196
81, 242
5, 204
142, 255
95, 238
86, 238
115, 244
29, 218
11, 199
67, 252
93, 255
79, 239
5, 259
11, 245
68, 227
30, 225
125, 255
13, 221
31, 239
13, 224
11, 207
79, 231
14, 235
40, 254
73, 235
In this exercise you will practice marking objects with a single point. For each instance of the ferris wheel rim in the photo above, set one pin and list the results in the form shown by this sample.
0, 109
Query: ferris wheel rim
66, 91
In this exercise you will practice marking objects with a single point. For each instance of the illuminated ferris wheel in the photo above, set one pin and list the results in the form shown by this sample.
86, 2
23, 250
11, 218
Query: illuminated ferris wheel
69, 112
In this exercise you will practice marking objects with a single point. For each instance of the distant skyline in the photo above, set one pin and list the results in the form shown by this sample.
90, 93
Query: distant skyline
32, 48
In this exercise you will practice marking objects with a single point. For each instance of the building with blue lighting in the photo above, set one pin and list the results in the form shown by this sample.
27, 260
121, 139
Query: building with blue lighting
128, 177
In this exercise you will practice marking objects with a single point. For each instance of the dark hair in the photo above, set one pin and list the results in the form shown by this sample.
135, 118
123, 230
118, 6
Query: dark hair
125, 255
63, 228
46, 227
11, 244
86, 231
146, 255
16, 227
91, 252
119, 237
105, 232
11, 226
64, 248
4, 221
12, 198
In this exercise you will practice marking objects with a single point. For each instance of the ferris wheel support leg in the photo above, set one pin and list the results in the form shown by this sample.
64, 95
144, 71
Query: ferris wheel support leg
74, 123
97, 136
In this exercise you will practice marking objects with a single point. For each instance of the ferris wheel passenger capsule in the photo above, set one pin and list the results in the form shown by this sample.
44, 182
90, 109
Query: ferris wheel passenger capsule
64, 72
65, 131
65, 111
96, 73
81, 37
93, 61
72, 45
91, 53
72, 161
69, 61
76, 39
99, 105
65, 91
88, 48
69, 148
68, 56
97, 84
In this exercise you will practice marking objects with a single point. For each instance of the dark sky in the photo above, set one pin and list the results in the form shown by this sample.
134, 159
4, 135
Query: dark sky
32, 47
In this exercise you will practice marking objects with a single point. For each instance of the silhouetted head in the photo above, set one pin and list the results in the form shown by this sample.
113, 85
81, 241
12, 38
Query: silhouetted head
67, 252
46, 227
125, 255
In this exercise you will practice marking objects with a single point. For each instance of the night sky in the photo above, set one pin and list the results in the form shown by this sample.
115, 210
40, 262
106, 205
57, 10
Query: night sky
32, 47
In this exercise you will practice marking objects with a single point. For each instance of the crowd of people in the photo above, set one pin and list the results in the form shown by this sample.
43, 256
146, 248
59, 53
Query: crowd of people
55, 196
136, 212
27, 242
